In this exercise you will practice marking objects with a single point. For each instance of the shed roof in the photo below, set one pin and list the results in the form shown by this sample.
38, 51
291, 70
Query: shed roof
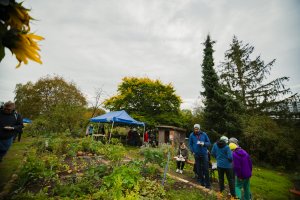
171, 127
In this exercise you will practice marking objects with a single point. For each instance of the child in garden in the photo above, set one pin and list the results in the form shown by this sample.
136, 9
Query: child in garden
182, 156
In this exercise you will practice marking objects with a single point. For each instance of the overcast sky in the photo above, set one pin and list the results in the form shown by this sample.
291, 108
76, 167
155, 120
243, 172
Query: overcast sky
95, 43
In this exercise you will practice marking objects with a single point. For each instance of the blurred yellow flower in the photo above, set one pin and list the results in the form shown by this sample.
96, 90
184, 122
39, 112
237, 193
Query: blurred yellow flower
14, 33
19, 17
26, 47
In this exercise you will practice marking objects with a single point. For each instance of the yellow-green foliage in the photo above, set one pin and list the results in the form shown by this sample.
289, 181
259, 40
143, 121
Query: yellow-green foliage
146, 100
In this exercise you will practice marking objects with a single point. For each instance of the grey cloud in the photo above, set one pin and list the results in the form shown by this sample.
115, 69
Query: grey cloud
97, 43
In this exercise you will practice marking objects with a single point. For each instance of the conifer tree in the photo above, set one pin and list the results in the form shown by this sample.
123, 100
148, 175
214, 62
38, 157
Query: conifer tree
220, 109
245, 79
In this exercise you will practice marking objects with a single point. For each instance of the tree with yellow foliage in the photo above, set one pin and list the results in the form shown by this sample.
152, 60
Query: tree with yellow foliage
15, 33
147, 100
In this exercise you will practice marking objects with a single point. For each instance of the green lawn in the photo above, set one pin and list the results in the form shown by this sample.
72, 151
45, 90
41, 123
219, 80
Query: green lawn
270, 184
12, 160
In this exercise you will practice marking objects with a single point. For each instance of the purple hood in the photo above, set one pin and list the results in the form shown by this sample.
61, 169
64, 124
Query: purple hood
242, 164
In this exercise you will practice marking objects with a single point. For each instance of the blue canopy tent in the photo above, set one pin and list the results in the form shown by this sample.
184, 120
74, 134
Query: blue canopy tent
26, 120
117, 117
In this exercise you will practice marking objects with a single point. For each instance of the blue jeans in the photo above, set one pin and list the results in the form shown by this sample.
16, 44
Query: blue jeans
202, 170
4, 146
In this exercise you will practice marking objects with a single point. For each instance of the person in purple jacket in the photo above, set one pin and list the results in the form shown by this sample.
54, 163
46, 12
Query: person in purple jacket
242, 166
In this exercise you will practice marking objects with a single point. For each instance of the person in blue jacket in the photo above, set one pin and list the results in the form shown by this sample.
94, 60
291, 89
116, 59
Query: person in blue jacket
198, 143
223, 154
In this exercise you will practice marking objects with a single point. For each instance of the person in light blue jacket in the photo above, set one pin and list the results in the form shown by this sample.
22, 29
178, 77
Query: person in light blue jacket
198, 143
223, 154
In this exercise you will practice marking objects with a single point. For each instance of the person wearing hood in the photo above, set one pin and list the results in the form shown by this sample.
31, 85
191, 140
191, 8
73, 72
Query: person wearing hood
242, 166
223, 154
198, 143
182, 156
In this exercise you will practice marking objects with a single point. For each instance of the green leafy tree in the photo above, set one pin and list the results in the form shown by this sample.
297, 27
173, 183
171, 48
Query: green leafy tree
187, 121
59, 104
245, 79
267, 142
147, 100
220, 109
40, 98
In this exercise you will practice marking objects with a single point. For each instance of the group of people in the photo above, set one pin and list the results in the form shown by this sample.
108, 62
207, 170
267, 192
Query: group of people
150, 138
11, 125
133, 137
231, 159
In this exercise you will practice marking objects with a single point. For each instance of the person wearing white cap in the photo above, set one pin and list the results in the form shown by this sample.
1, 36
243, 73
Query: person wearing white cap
223, 154
198, 143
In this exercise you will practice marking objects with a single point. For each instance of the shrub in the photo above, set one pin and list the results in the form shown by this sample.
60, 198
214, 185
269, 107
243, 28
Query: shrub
38, 127
122, 179
266, 141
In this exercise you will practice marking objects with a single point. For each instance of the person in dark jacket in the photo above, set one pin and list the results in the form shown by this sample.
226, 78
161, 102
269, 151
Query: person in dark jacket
10, 125
242, 166
198, 143
223, 154
19, 133
181, 158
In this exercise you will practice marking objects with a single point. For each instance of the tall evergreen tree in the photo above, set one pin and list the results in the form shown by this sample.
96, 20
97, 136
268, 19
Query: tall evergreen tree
245, 79
220, 109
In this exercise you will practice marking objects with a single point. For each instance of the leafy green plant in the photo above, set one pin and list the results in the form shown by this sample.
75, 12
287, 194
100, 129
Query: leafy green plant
124, 175
151, 189
126, 182
114, 153
153, 155
97, 172
90, 145
74, 190
35, 169
151, 170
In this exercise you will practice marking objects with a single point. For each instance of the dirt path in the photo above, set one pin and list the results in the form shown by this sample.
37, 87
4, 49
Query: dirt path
186, 179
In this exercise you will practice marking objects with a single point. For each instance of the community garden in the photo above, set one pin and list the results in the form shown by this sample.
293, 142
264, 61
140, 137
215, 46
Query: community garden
56, 159
63, 167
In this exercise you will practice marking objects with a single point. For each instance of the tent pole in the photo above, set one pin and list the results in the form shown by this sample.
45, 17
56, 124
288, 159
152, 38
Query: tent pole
112, 126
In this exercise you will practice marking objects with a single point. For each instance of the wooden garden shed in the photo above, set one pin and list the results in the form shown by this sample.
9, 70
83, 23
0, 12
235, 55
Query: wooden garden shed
170, 134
